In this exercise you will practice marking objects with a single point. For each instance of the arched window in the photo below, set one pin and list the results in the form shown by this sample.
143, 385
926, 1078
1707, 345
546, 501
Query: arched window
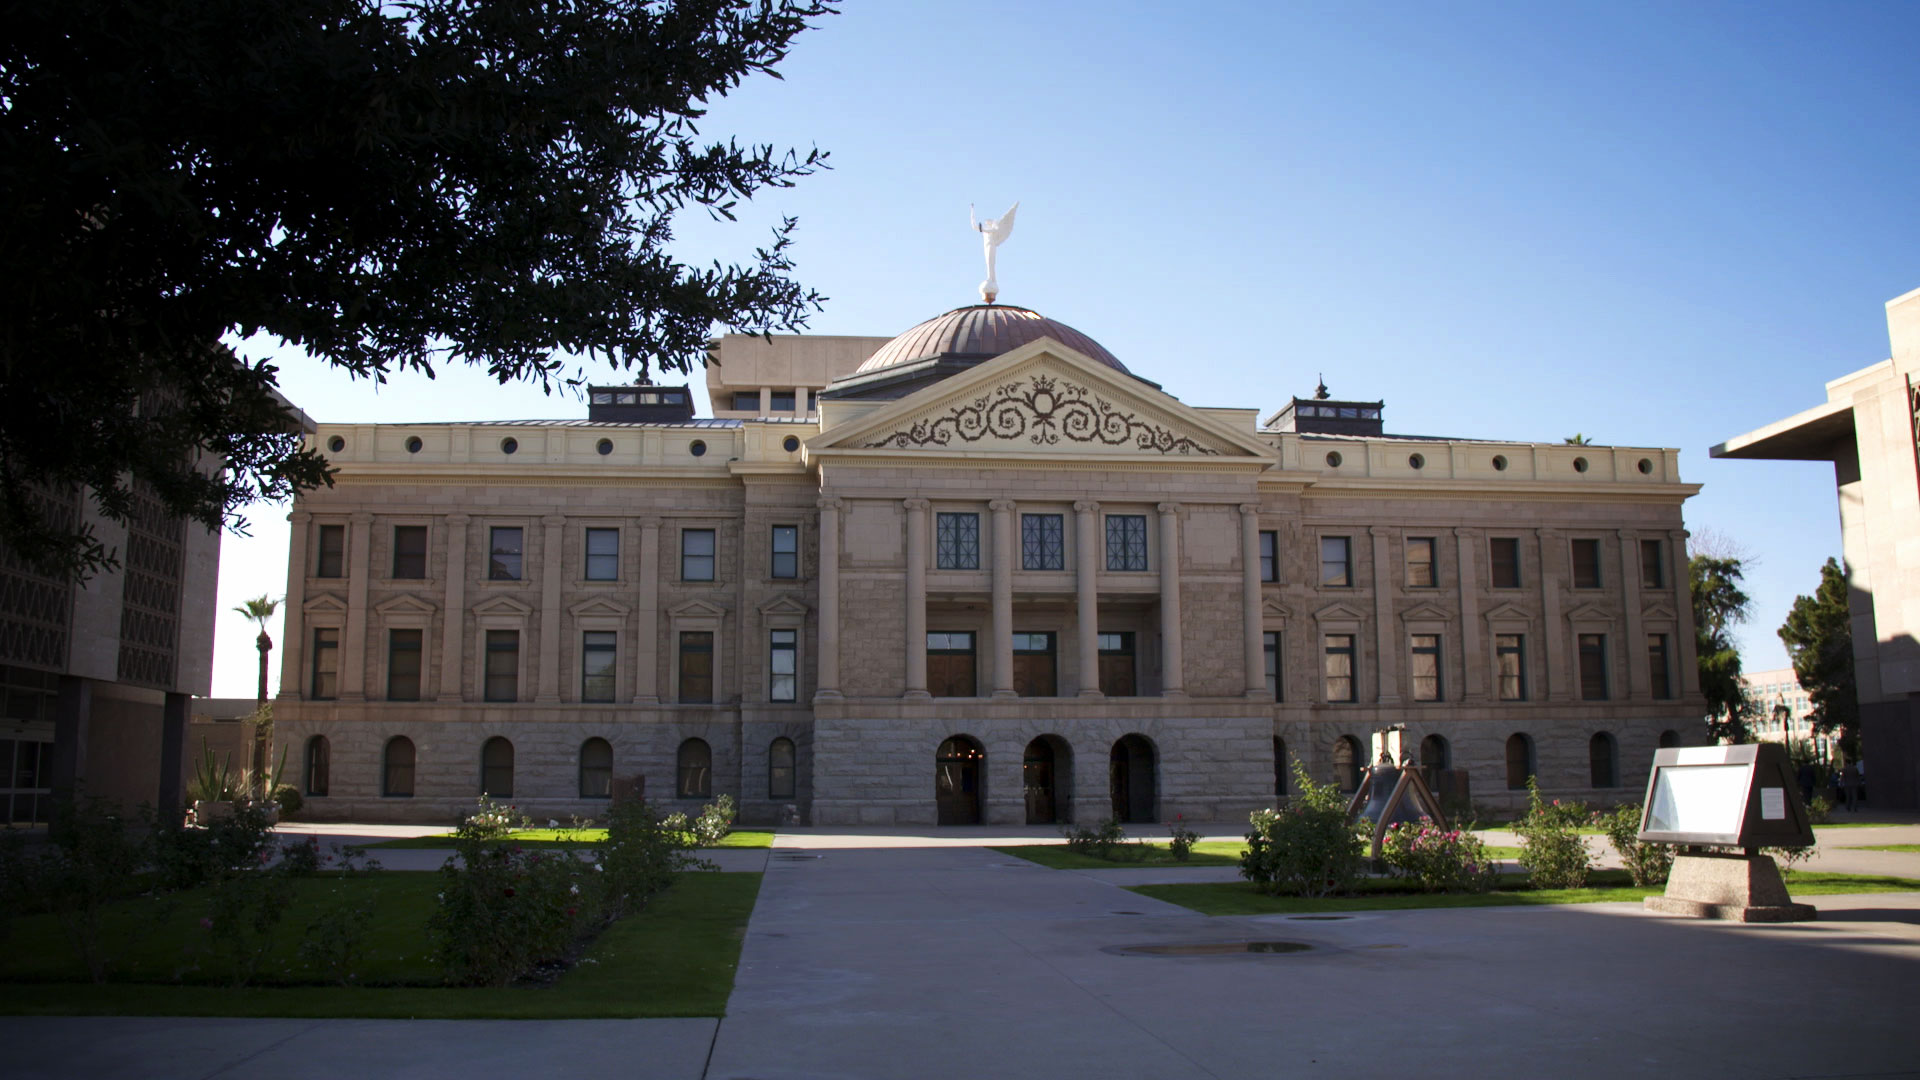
780, 769
1346, 763
1279, 767
1435, 754
1669, 740
695, 767
1603, 760
396, 772
496, 768
317, 754
1133, 776
596, 769
1519, 761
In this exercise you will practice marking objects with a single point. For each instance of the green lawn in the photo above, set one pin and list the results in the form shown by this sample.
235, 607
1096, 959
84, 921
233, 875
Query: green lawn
676, 958
1910, 849
568, 838
1205, 853
1239, 897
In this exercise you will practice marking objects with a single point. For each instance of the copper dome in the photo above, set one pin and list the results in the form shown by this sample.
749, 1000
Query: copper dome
980, 332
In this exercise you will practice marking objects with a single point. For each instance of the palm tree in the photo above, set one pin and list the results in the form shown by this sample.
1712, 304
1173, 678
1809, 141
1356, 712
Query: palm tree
1577, 439
260, 609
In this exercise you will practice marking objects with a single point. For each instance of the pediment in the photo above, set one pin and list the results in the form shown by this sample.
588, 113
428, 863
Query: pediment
1340, 612
1274, 609
1044, 400
1508, 613
502, 605
696, 609
1589, 612
323, 604
598, 605
404, 604
784, 605
1658, 611
1426, 612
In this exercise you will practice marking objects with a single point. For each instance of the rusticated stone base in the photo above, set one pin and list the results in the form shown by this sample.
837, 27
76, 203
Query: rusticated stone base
1737, 888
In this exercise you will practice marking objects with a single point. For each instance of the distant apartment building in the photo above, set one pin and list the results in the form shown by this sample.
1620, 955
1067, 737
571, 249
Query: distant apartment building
1785, 709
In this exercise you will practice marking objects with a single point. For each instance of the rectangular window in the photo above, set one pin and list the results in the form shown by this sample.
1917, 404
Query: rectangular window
786, 551
1116, 665
950, 671
783, 671
1035, 673
1339, 681
1126, 542
1653, 564
597, 658
746, 401
1420, 568
1043, 542
1426, 667
783, 401
956, 541
331, 560
326, 663
1658, 666
1593, 667
1336, 561
1269, 556
696, 667
503, 553
696, 554
1505, 551
1271, 643
603, 554
503, 666
409, 551
403, 665
1586, 564
1510, 654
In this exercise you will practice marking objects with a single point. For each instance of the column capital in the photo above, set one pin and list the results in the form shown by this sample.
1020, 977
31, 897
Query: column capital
1551, 534
1250, 509
1001, 506
1167, 508
649, 523
830, 504
1628, 534
1380, 530
1678, 534
1464, 532
459, 519
553, 521
916, 505
300, 517
1086, 506
361, 518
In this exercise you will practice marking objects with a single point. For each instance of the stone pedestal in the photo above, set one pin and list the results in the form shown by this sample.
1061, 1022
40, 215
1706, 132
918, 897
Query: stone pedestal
1740, 888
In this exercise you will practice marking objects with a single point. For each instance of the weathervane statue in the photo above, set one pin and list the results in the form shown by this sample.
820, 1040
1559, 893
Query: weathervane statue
993, 232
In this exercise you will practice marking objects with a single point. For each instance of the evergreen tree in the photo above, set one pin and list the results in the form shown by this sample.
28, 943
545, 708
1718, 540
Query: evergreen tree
1718, 606
1819, 637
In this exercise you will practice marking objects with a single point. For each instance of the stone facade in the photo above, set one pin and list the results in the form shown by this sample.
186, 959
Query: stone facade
1035, 498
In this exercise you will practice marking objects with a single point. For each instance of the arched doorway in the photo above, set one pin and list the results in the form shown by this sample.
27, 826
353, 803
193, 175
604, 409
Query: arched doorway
1045, 773
956, 781
1131, 770
1347, 758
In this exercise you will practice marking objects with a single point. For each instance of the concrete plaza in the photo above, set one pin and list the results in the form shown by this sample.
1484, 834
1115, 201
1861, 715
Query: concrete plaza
890, 954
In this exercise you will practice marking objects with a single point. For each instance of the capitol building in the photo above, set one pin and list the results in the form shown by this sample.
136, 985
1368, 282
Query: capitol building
980, 572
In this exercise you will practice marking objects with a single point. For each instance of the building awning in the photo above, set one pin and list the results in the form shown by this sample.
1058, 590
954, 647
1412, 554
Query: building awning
1807, 436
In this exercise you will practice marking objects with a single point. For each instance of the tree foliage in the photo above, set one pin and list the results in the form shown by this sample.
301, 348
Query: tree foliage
1819, 637
1718, 606
388, 186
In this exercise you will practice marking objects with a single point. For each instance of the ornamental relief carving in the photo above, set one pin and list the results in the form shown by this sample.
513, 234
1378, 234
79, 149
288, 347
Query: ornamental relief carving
1045, 411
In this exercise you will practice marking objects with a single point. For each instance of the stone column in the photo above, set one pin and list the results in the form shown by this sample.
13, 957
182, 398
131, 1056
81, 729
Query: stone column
1474, 661
766, 401
1086, 581
293, 633
1250, 601
1561, 679
646, 643
828, 685
1639, 675
453, 624
916, 598
1386, 634
1173, 682
353, 644
1002, 597
800, 401
1684, 650
550, 572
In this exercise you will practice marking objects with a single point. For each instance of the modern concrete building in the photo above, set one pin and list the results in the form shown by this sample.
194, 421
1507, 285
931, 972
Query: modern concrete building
1785, 709
981, 571
1869, 428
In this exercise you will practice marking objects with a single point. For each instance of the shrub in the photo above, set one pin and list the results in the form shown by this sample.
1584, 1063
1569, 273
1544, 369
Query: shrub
714, 823
1551, 850
1438, 860
1820, 811
214, 780
1099, 841
503, 909
186, 857
335, 938
243, 910
91, 863
641, 854
493, 821
1647, 862
287, 798
1307, 849
1182, 838
302, 859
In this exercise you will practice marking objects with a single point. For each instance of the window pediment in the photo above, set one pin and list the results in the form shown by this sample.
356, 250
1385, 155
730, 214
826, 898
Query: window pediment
324, 604
1340, 612
502, 605
599, 606
1659, 611
784, 605
1589, 613
1274, 609
697, 609
1426, 612
405, 604
1508, 613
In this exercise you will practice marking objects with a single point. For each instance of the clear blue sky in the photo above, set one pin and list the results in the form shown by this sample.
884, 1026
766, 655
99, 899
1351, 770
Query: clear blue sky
1657, 224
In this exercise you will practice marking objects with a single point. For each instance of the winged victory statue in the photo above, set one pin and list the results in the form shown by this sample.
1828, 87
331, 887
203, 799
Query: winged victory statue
993, 232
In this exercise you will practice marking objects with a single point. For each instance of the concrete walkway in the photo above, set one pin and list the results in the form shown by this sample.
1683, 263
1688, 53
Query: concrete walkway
889, 953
